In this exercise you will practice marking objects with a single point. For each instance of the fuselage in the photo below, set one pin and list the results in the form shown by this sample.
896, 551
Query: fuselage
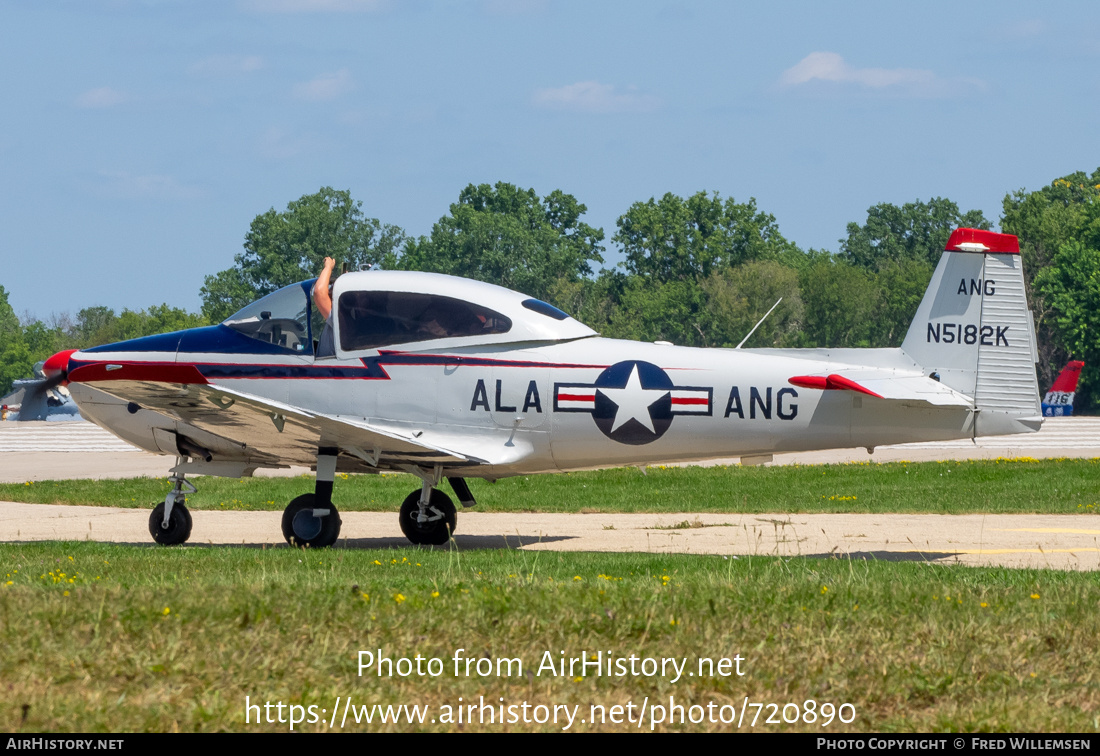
533, 407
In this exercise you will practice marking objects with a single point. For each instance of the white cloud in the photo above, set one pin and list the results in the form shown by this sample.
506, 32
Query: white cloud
316, 6
831, 67
144, 186
102, 97
594, 97
227, 65
327, 86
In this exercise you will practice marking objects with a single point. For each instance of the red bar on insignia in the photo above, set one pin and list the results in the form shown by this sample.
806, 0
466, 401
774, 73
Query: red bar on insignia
582, 400
687, 401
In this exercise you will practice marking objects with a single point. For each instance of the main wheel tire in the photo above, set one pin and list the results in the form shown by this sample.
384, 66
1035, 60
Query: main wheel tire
440, 525
302, 528
179, 525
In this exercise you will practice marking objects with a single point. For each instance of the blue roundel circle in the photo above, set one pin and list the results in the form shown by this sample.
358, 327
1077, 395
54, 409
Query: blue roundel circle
633, 402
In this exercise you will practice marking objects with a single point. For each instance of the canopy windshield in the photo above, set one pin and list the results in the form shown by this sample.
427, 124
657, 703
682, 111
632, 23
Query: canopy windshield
281, 318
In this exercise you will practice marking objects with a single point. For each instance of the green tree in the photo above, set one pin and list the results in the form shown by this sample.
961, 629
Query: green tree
654, 310
915, 231
9, 322
687, 239
157, 319
96, 325
839, 300
1070, 286
900, 286
738, 297
1046, 220
43, 341
509, 236
15, 357
589, 300
15, 363
281, 248
683, 260
1050, 217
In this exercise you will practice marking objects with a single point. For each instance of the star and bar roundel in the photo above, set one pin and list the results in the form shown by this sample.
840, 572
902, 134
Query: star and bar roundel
633, 402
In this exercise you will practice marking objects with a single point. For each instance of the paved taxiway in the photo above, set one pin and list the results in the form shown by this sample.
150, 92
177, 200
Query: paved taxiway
39, 451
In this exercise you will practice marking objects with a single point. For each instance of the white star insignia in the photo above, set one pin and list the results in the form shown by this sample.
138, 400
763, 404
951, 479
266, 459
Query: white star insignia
633, 401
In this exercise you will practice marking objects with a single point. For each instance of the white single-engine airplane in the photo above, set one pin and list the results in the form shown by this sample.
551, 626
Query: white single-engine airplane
450, 378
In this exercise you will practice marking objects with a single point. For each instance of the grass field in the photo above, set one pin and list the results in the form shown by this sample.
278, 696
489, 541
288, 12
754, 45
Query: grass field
1007, 486
111, 638
100, 637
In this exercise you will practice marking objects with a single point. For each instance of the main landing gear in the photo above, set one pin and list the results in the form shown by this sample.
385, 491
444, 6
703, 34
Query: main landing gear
428, 516
311, 520
170, 522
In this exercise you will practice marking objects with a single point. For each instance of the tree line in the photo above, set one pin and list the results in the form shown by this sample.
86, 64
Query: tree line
698, 270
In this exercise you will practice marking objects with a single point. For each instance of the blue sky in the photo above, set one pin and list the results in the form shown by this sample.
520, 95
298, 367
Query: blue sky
139, 139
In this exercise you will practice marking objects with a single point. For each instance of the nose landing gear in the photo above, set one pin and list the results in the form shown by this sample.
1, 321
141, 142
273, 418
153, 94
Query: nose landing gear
431, 524
170, 522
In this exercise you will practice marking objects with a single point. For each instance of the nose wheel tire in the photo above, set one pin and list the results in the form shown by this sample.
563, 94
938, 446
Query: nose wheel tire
306, 524
179, 525
440, 521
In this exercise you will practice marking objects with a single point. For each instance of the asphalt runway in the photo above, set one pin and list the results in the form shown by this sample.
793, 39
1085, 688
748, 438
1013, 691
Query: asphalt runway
55, 450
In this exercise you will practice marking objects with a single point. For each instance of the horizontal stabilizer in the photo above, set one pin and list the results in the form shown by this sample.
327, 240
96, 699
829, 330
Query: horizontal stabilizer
892, 387
832, 382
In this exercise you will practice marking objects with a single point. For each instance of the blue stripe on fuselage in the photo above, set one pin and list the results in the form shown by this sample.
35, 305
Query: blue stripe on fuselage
216, 339
214, 370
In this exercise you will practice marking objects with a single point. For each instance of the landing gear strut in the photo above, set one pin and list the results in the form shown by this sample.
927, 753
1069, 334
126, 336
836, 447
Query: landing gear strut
311, 519
170, 522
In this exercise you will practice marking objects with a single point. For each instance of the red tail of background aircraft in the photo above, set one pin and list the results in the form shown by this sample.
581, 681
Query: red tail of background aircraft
1058, 402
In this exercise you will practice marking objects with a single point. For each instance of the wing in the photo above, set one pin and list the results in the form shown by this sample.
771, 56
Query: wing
272, 433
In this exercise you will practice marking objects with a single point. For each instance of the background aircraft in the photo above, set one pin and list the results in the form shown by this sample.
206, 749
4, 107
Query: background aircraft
450, 378
39, 398
1058, 402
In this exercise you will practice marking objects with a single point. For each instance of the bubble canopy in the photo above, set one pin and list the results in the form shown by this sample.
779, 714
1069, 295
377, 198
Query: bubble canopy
381, 309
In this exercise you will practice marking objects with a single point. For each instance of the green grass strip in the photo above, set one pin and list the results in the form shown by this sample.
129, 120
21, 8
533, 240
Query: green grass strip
1061, 486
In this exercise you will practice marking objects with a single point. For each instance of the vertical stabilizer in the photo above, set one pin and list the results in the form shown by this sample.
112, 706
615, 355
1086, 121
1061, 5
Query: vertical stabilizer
973, 331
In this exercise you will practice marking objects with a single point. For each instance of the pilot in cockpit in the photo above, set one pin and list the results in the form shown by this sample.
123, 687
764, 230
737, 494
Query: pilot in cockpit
322, 298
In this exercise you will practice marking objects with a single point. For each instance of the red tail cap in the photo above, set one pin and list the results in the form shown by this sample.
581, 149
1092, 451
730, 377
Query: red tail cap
973, 239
